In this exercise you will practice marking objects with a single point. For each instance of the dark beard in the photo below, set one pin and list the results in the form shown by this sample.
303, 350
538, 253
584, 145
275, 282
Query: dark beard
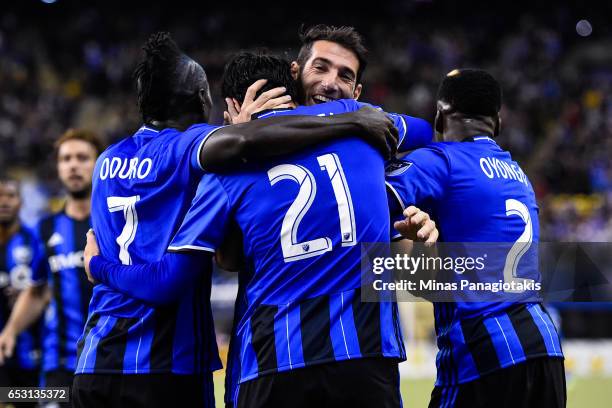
81, 194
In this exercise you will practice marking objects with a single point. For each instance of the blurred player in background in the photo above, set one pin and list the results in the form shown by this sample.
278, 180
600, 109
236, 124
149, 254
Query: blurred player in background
21, 255
61, 280
142, 188
501, 354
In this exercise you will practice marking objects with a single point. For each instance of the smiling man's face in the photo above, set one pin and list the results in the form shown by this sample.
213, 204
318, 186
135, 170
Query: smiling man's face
329, 74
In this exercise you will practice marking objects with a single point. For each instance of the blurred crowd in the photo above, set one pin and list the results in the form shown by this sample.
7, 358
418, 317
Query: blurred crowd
68, 65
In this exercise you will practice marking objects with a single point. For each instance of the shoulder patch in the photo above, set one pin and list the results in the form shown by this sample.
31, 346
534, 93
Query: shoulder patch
397, 167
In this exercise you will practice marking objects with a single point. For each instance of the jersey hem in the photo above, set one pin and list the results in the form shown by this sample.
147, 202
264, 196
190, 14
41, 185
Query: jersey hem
516, 362
398, 356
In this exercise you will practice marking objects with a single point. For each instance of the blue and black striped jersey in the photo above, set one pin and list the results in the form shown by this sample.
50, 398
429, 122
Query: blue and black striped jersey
303, 218
64, 240
142, 188
476, 193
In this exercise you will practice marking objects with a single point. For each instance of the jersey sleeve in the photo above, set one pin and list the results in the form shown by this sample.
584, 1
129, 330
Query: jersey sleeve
201, 135
420, 179
205, 223
413, 132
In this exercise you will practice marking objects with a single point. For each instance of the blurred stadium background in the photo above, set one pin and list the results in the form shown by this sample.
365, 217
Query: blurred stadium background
68, 64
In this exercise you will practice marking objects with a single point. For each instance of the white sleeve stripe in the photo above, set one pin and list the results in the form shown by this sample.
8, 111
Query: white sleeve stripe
396, 194
190, 247
402, 137
202, 145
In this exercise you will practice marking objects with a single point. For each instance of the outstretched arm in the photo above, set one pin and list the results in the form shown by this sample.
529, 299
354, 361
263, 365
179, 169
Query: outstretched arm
270, 137
156, 283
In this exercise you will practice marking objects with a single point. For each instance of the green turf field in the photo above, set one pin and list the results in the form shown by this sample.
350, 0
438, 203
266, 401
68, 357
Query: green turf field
591, 392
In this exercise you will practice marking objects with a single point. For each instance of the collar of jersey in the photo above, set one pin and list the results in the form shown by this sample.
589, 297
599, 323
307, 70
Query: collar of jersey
147, 128
268, 112
479, 139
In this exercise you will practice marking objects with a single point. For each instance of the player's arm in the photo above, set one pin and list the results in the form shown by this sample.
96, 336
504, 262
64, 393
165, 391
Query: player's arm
264, 138
413, 132
190, 253
157, 283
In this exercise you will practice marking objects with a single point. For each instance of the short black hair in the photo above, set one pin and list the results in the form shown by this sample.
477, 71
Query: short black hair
471, 92
247, 67
345, 36
160, 80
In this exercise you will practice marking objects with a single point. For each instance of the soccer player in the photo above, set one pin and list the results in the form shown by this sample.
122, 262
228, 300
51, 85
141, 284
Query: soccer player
20, 255
502, 354
303, 304
142, 188
63, 236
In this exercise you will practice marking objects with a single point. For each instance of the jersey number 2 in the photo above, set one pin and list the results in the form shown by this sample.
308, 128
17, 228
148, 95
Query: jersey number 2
292, 249
521, 245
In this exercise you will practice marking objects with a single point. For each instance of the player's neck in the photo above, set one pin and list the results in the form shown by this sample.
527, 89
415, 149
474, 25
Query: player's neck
78, 208
181, 123
461, 131
7, 230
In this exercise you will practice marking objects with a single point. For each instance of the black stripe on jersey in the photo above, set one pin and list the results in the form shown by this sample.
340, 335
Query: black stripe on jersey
162, 346
80, 229
110, 352
263, 340
527, 331
59, 315
367, 324
315, 329
47, 229
480, 344
91, 323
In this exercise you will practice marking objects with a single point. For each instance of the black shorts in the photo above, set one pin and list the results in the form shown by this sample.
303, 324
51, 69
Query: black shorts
143, 390
359, 383
537, 383
57, 378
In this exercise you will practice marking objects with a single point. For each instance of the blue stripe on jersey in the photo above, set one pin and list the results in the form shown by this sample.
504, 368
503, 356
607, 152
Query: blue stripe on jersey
390, 344
140, 337
343, 331
504, 338
547, 329
467, 368
295, 335
87, 359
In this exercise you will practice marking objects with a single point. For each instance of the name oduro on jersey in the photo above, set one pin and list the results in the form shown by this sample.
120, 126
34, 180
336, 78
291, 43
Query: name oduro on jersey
125, 168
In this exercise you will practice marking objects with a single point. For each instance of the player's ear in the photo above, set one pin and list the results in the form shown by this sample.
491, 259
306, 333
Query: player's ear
295, 70
439, 123
357, 91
